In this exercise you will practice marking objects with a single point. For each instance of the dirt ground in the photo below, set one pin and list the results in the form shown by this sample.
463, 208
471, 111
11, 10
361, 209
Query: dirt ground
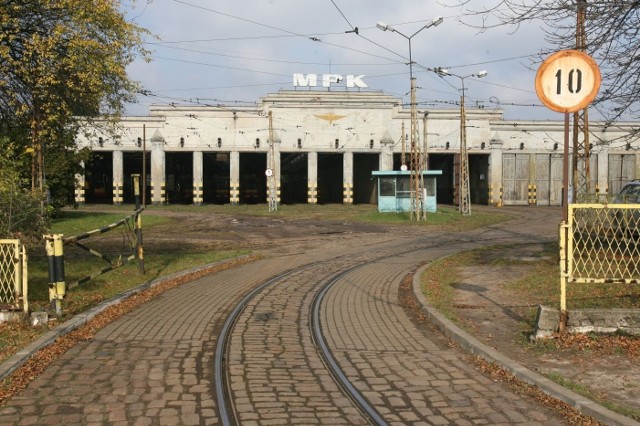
495, 315
483, 302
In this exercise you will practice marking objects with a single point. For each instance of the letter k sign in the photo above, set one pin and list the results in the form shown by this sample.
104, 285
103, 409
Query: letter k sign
356, 81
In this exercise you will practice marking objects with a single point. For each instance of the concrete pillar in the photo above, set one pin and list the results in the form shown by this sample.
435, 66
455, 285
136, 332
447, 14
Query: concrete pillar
386, 152
197, 178
158, 188
602, 181
495, 172
117, 177
347, 173
234, 177
312, 177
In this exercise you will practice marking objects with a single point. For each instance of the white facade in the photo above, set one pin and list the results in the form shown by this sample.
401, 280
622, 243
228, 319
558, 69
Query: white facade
346, 132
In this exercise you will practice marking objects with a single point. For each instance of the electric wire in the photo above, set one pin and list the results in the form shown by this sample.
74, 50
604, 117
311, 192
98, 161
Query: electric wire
306, 36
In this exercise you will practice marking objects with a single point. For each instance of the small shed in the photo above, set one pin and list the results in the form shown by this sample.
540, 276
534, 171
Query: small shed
394, 190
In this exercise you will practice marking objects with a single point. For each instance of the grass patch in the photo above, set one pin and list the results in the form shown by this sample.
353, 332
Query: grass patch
75, 222
586, 392
79, 264
437, 283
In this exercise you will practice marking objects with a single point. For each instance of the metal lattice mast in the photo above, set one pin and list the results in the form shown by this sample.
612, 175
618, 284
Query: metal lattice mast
417, 182
465, 198
581, 147
425, 145
271, 172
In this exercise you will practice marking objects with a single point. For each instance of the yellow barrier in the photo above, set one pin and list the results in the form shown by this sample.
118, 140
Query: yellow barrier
599, 244
13, 275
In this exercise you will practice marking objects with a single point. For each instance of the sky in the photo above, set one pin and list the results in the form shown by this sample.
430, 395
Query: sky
235, 52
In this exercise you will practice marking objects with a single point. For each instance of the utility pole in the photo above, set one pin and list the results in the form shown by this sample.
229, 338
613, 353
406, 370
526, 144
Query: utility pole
271, 171
581, 147
464, 204
465, 196
417, 178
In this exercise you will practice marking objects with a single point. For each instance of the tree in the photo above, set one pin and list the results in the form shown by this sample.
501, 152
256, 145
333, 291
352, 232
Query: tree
20, 212
61, 60
612, 33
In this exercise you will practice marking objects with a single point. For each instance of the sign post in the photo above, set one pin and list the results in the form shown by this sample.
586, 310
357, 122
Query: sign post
567, 81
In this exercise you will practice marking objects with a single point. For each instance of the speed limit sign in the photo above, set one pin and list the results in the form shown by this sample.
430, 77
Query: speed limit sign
568, 81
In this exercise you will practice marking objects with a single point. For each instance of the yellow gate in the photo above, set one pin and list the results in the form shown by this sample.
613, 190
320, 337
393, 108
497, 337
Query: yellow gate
600, 244
13, 275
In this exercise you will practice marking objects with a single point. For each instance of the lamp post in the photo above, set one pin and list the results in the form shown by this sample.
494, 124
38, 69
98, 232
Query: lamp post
465, 197
417, 182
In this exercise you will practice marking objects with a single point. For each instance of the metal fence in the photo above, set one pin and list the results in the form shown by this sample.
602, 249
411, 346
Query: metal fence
13, 276
600, 244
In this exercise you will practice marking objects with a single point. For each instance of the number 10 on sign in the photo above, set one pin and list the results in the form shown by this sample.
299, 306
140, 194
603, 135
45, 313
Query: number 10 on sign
568, 81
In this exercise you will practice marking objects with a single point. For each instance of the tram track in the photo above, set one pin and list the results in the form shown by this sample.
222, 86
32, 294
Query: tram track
332, 271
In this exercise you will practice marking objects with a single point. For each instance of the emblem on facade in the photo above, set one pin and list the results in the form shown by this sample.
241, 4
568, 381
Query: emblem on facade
330, 117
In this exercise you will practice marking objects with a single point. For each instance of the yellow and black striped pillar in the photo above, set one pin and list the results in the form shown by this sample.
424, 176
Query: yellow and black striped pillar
79, 192
197, 193
164, 197
496, 198
312, 193
533, 194
234, 193
117, 193
347, 194
55, 259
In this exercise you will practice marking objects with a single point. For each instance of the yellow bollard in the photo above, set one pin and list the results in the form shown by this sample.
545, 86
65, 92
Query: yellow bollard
55, 257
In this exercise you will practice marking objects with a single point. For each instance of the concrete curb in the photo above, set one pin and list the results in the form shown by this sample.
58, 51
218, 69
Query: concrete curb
475, 347
18, 359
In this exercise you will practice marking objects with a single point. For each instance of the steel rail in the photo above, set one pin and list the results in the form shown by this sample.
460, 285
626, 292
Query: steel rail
220, 376
222, 386
332, 365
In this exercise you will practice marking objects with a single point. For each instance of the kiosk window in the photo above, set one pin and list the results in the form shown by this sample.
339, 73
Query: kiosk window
387, 187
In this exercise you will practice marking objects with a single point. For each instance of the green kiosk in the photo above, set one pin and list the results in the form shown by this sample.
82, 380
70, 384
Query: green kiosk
394, 190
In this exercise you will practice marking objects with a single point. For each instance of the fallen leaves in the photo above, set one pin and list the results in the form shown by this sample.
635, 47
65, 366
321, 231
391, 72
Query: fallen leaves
39, 362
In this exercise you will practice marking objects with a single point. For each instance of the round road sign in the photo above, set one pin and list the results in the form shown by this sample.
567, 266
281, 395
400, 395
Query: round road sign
568, 81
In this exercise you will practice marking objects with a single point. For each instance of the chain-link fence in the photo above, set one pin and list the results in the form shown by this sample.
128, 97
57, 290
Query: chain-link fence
604, 243
13, 276
600, 243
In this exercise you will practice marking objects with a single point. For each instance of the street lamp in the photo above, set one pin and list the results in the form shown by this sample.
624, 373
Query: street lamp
465, 197
417, 183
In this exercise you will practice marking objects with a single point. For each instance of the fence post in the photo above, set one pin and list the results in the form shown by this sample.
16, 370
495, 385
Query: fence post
55, 258
25, 278
563, 276
138, 223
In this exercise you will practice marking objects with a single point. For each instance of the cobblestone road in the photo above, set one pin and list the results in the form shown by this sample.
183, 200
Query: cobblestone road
154, 365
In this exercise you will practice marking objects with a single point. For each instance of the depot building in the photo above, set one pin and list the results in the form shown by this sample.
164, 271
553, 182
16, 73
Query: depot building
322, 145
